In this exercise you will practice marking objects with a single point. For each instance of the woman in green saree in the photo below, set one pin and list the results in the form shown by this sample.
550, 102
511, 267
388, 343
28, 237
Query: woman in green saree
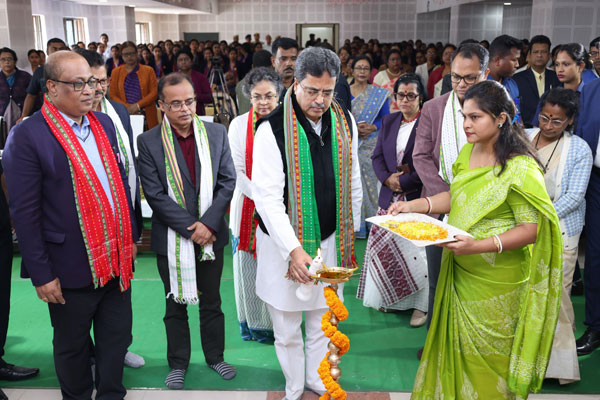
498, 294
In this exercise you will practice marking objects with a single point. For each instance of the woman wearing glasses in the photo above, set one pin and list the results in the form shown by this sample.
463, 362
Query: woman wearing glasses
567, 163
135, 85
394, 274
569, 65
369, 104
263, 86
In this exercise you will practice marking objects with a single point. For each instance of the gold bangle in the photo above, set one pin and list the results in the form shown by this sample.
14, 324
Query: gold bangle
497, 243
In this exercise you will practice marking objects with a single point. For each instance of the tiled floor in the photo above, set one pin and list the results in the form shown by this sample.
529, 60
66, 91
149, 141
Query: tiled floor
53, 394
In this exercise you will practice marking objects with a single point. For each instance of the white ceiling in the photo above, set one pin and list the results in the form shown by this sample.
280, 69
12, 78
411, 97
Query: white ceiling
151, 6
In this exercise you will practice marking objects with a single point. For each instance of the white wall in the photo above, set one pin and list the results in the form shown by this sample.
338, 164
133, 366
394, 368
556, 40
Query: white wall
479, 21
434, 26
150, 18
516, 20
387, 20
575, 21
112, 20
15, 28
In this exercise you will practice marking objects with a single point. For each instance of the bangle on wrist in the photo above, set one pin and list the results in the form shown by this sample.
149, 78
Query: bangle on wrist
497, 243
138, 106
430, 205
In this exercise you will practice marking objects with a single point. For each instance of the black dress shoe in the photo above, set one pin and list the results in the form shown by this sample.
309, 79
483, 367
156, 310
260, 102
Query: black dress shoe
3, 395
588, 342
10, 372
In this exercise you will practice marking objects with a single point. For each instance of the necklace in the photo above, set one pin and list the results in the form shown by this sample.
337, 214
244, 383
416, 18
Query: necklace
393, 74
551, 154
406, 121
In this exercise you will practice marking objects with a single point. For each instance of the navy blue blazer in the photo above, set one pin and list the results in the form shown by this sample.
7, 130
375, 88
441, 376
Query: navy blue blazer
42, 204
529, 94
385, 163
588, 125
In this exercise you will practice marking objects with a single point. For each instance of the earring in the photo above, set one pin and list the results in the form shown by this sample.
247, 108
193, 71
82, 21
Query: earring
499, 125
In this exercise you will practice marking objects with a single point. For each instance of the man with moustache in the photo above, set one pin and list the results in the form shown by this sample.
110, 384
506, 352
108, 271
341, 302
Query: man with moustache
72, 213
188, 178
504, 56
440, 136
306, 202
37, 87
285, 53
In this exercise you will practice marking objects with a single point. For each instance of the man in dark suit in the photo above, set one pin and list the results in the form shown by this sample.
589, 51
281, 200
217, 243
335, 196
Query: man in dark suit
73, 216
186, 157
8, 372
535, 80
120, 116
588, 127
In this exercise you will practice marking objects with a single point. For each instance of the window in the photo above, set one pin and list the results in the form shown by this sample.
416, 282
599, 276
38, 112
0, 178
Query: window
38, 32
142, 33
75, 30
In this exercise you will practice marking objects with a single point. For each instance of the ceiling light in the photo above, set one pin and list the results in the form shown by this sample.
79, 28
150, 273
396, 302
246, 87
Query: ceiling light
507, 4
103, 1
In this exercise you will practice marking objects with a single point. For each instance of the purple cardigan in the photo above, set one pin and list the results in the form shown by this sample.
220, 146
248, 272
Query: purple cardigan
18, 90
385, 163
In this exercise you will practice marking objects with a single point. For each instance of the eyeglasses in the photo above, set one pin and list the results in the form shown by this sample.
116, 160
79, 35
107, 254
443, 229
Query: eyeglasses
362, 68
402, 96
556, 123
7, 59
178, 105
593, 54
268, 97
131, 54
314, 93
104, 82
469, 79
79, 85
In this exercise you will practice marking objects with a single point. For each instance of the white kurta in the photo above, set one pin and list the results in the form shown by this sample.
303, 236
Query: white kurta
243, 185
273, 253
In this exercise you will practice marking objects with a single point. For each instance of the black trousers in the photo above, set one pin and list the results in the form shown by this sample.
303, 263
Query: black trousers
591, 272
434, 263
212, 319
109, 311
6, 256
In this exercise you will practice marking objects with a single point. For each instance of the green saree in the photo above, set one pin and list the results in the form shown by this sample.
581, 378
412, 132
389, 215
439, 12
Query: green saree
494, 314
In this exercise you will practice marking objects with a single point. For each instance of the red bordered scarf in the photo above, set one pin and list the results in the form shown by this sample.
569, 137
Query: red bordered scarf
107, 235
249, 222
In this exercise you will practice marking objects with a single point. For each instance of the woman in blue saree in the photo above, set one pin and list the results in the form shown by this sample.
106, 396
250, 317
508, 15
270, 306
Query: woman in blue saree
369, 104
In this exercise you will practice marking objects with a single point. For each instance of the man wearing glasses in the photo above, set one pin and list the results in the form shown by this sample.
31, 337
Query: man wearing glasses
72, 212
594, 73
440, 136
188, 178
308, 192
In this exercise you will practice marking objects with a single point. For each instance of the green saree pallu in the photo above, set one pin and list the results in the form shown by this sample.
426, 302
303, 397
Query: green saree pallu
494, 314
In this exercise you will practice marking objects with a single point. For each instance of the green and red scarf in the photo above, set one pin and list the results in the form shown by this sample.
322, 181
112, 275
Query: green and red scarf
302, 203
107, 235
249, 222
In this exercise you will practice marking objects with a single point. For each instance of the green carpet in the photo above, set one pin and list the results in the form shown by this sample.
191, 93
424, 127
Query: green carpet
382, 354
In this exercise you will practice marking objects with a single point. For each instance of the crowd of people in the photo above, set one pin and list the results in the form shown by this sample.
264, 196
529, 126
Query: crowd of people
496, 138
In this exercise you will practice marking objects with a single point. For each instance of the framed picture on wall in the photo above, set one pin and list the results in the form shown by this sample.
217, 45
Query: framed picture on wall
309, 34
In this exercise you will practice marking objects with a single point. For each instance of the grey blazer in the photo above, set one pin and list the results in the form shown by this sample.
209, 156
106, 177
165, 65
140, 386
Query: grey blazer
165, 211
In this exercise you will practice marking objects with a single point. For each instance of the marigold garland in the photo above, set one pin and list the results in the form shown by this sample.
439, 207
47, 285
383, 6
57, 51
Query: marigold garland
334, 390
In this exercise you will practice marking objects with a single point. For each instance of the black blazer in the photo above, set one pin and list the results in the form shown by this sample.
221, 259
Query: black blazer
529, 94
385, 163
165, 211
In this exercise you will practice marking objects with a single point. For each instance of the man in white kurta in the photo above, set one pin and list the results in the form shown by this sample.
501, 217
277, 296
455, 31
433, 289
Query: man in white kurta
280, 252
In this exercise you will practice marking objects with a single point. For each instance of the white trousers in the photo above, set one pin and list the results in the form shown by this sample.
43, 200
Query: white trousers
299, 360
